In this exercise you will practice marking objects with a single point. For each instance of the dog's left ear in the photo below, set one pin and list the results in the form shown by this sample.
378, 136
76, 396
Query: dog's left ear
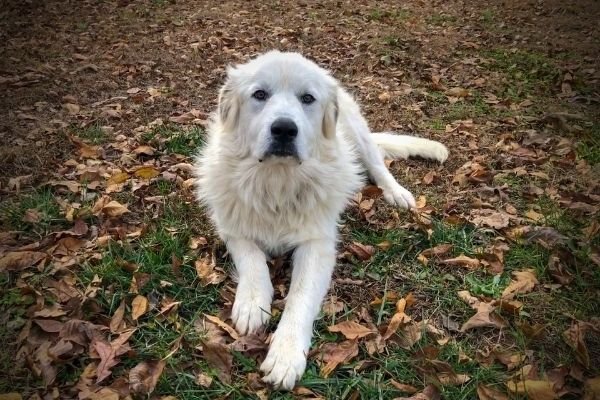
228, 109
330, 118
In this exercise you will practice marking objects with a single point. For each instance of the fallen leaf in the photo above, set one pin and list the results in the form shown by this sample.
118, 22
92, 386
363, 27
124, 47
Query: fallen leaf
488, 393
332, 306
429, 393
144, 149
462, 261
117, 178
452, 379
71, 108
592, 389
18, 260
429, 177
437, 251
116, 322
485, 315
139, 306
575, 338
11, 396
491, 218
457, 92
204, 380
534, 216
144, 376
524, 282
217, 321
403, 387
219, 357
351, 329
205, 268
361, 251
333, 354
534, 389
146, 172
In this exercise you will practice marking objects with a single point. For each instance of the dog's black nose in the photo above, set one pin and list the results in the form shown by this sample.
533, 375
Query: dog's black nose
284, 129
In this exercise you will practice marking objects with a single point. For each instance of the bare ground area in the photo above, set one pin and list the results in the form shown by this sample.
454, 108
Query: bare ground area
114, 284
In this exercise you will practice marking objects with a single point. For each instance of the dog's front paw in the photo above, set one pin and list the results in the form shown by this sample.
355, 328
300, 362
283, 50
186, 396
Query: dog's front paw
285, 362
251, 308
396, 195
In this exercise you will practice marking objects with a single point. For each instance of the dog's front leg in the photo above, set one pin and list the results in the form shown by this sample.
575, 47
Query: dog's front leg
252, 305
313, 264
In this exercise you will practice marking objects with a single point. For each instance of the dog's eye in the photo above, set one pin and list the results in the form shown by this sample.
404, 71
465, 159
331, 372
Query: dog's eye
260, 95
307, 98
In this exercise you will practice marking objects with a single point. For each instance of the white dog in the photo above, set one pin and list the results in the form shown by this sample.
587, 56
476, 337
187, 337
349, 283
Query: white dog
282, 161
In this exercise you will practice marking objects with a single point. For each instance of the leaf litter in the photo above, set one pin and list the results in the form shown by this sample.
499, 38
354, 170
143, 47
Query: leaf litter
517, 179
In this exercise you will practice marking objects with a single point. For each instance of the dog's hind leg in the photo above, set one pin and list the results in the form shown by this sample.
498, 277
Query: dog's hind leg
355, 127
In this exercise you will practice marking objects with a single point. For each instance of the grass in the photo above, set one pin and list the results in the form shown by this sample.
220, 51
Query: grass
378, 14
176, 140
92, 133
39, 204
440, 19
527, 73
588, 147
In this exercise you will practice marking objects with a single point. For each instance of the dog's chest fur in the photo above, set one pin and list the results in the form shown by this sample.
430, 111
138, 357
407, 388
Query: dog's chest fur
277, 204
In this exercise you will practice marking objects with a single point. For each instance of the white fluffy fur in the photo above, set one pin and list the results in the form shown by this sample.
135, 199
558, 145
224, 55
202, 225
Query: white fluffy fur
265, 206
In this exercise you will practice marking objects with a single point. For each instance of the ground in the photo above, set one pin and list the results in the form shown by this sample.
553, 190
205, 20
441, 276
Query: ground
114, 283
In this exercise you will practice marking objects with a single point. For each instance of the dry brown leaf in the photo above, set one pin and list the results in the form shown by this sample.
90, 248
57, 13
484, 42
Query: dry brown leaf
592, 389
491, 218
204, 380
18, 260
144, 376
144, 149
485, 316
71, 108
463, 261
221, 324
403, 387
332, 306
437, 251
351, 329
361, 251
205, 268
534, 389
11, 396
333, 354
452, 379
116, 322
488, 393
534, 216
523, 282
429, 177
219, 357
139, 306
399, 319
429, 393
457, 92
146, 172
575, 338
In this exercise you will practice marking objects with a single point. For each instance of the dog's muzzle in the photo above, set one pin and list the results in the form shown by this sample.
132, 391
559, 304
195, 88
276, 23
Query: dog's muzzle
283, 139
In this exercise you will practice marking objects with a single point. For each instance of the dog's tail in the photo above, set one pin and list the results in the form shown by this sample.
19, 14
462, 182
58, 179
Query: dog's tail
403, 146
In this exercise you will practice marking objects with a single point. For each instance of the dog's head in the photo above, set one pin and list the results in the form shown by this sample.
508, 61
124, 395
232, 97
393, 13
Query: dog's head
279, 106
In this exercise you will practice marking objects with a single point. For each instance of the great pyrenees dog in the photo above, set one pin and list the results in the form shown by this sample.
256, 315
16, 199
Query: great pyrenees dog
285, 154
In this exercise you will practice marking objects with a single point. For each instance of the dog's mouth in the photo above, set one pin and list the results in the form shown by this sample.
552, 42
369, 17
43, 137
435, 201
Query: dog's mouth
281, 150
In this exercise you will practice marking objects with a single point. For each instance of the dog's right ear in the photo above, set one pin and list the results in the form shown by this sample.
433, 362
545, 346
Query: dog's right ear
229, 107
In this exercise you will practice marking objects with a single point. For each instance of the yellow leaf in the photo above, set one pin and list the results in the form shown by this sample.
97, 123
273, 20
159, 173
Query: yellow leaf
538, 390
114, 209
535, 216
10, 396
139, 306
117, 178
146, 172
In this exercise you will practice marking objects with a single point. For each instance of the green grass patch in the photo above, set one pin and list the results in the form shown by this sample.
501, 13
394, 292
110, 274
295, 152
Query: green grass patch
440, 19
34, 212
175, 139
527, 73
378, 14
588, 147
93, 134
